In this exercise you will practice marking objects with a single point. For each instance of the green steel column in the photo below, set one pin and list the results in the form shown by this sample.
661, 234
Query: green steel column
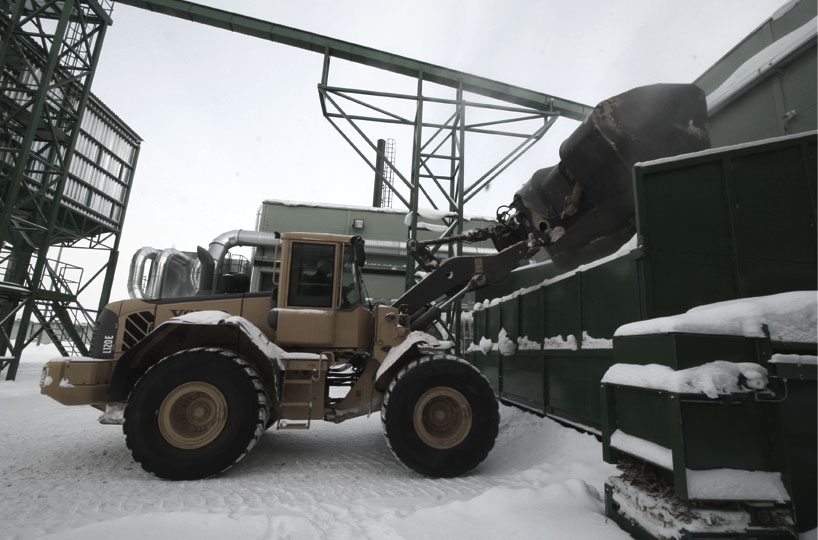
16, 270
458, 184
14, 22
415, 194
113, 258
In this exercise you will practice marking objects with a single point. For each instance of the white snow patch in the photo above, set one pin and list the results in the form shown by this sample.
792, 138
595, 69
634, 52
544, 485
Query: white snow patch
506, 346
761, 63
39, 354
396, 352
432, 227
201, 317
713, 379
732, 485
558, 342
114, 414
67, 477
711, 484
663, 518
431, 213
65, 383
623, 251
789, 317
258, 337
589, 342
525, 344
626, 248
714, 151
646, 450
199, 525
799, 359
571, 509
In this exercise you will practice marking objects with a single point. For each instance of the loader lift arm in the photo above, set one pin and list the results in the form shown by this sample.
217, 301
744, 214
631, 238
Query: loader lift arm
454, 277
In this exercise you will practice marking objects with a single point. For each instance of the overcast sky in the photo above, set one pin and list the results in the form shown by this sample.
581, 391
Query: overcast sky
229, 120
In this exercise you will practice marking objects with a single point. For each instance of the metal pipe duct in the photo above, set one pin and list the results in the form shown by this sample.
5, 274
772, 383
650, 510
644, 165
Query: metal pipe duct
224, 242
159, 270
394, 248
136, 274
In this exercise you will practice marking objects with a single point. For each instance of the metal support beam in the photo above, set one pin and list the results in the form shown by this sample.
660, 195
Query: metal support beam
353, 52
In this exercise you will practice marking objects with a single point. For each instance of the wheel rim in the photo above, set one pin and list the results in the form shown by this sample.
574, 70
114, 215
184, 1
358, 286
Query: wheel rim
192, 415
442, 417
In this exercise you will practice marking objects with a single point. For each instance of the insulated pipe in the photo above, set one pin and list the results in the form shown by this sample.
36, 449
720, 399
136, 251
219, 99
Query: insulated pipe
136, 274
397, 249
160, 268
224, 242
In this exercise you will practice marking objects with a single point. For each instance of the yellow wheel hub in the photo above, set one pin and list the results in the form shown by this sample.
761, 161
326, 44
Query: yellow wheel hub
192, 415
442, 417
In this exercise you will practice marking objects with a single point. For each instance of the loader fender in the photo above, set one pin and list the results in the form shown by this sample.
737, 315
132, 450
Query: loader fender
400, 355
198, 329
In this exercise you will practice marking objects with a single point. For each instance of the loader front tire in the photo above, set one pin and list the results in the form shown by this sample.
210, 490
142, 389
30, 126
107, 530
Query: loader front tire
440, 416
195, 413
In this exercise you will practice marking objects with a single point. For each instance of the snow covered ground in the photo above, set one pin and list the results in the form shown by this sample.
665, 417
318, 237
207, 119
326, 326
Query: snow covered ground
64, 476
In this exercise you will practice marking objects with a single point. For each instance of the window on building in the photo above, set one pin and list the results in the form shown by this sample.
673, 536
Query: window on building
311, 275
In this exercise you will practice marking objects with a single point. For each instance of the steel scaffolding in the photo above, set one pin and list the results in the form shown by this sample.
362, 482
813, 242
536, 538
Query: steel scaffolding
65, 168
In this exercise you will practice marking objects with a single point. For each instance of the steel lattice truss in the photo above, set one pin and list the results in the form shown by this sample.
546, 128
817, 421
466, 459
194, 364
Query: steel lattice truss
48, 56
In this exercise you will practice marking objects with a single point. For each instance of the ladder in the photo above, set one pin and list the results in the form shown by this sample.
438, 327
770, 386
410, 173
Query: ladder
301, 387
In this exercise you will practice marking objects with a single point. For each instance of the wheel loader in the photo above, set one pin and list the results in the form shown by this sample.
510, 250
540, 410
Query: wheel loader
195, 381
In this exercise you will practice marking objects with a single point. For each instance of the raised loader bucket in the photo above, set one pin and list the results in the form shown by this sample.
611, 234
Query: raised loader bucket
584, 205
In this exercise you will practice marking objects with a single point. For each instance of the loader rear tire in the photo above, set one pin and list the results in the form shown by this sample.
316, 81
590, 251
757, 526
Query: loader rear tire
195, 413
440, 416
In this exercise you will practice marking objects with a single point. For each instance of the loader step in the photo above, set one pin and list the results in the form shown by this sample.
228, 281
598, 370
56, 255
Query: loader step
289, 424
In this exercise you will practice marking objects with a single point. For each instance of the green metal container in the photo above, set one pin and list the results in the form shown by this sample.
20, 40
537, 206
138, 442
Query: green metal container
712, 226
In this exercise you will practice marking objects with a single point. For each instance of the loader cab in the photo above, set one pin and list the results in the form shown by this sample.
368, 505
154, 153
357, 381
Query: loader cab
320, 301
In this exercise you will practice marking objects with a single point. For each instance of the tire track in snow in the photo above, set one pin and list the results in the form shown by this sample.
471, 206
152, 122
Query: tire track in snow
62, 470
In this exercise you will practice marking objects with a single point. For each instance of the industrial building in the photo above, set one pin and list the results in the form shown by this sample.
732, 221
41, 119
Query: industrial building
383, 229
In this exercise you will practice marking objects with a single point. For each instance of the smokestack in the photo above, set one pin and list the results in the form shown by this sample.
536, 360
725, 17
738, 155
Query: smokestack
379, 172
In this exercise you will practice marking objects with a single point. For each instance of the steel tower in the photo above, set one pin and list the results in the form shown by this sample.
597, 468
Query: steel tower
65, 169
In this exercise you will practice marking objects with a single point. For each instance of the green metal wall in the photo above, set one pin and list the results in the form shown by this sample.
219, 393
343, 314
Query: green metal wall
714, 226
760, 112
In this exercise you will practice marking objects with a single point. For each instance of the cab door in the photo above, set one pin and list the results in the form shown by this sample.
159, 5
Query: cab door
307, 295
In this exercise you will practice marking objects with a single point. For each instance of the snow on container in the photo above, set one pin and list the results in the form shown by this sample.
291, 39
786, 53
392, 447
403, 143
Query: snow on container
712, 226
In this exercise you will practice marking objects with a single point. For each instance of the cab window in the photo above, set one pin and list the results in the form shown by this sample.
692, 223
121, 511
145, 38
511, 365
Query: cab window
311, 275
351, 295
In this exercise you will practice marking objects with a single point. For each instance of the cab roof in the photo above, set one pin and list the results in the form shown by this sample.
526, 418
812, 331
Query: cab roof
317, 237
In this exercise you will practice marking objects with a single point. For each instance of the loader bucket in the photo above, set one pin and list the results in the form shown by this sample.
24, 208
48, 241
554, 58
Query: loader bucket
584, 205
